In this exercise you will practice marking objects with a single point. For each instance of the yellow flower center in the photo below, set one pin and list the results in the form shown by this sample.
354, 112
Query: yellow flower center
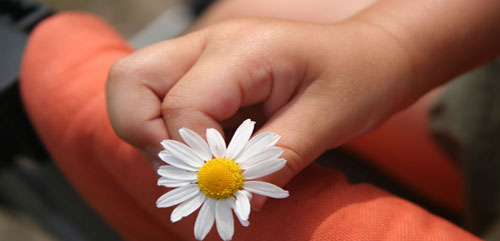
220, 178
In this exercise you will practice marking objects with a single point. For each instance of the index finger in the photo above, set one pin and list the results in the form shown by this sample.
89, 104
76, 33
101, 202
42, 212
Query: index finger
138, 83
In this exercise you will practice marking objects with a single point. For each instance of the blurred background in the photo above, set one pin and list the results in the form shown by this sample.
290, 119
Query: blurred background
36, 201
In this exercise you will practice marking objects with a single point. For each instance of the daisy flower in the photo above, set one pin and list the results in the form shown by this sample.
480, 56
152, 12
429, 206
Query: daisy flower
216, 178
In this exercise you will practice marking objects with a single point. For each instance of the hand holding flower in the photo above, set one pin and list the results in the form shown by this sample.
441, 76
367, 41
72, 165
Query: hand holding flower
313, 92
315, 85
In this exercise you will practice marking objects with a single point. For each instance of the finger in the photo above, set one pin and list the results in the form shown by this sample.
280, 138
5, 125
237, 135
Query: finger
217, 86
138, 83
308, 126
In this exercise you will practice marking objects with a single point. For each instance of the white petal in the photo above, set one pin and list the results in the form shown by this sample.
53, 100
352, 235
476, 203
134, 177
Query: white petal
261, 156
240, 139
163, 181
224, 219
196, 142
174, 161
259, 142
216, 142
177, 195
244, 222
205, 219
265, 189
264, 168
249, 195
182, 152
174, 173
242, 205
187, 207
275, 138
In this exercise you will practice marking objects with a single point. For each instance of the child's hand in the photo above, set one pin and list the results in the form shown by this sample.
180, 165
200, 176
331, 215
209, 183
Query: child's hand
315, 85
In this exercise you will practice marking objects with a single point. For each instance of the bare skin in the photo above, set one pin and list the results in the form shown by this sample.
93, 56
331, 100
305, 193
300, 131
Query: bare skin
318, 82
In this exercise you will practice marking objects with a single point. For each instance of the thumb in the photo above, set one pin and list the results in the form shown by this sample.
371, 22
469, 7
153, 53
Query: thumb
308, 127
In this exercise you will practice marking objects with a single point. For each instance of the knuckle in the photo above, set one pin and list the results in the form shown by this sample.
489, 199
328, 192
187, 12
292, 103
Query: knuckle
236, 27
295, 160
118, 72
172, 104
248, 30
118, 68
126, 67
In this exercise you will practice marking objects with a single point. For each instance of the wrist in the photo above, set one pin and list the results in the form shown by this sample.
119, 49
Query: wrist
388, 68
441, 40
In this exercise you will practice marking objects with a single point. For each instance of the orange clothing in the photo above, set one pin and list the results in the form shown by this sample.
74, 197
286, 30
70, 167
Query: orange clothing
63, 79
404, 149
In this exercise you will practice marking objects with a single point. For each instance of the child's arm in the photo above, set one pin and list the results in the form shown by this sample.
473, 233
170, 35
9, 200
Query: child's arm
318, 85
441, 38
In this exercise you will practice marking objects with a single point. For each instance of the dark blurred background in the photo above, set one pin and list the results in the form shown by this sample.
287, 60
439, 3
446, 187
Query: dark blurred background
36, 201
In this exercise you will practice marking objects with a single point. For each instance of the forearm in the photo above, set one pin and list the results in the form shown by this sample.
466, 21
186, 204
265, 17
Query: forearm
441, 38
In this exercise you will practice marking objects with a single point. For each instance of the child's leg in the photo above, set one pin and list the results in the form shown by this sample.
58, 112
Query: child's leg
62, 79
404, 149
63, 82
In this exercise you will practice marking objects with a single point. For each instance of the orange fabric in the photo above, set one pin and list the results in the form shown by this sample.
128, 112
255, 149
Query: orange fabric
404, 149
63, 82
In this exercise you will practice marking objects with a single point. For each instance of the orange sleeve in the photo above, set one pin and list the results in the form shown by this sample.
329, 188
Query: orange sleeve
63, 86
